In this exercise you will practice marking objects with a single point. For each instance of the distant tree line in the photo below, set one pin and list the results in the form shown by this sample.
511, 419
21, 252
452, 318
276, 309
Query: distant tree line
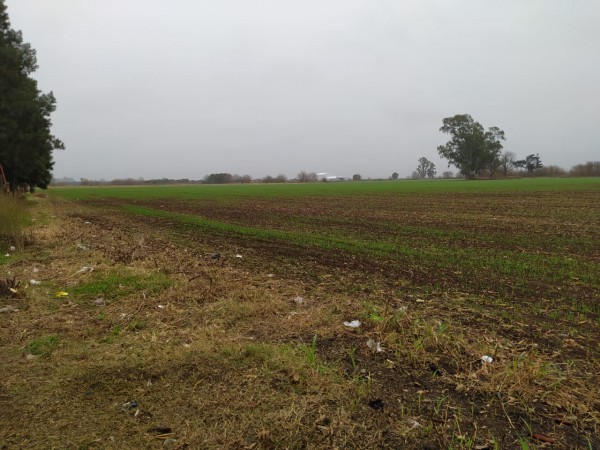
531, 166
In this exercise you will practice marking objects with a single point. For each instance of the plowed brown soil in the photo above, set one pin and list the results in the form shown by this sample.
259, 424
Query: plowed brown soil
221, 356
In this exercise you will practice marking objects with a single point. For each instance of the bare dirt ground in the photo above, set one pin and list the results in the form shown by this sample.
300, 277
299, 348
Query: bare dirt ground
167, 339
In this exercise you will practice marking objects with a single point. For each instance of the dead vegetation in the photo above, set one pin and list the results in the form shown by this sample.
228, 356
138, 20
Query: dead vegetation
164, 344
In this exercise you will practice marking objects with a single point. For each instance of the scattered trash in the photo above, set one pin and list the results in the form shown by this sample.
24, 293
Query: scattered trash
161, 430
216, 255
487, 359
376, 404
412, 423
8, 287
7, 255
99, 302
12, 248
80, 246
299, 301
130, 405
8, 309
270, 275
374, 345
542, 438
29, 356
420, 300
161, 306
353, 324
84, 269
62, 294
238, 255
34, 282
35, 270
87, 223
488, 446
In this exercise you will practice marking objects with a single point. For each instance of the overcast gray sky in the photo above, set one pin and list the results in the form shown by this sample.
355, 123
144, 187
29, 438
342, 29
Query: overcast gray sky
150, 88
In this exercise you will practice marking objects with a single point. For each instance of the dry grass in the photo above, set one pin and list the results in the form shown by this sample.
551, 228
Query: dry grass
187, 351
13, 221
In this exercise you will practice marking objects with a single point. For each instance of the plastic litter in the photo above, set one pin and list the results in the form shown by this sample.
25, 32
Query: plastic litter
160, 430
87, 223
12, 248
99, 302
161, 306
35, 270
487, 359
374, 345
84, 269
8, 309
34, 282
299, 301
60, 294
353, 324
7, 255
420, 300
238, 255
412, 423
130, 405
376, 403
80, 246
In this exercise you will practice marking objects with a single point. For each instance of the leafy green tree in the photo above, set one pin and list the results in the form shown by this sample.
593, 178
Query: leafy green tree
431, 171
531, 162
425, 168
395, 176
218, 178
26, 143
471, 148
493, 166
356, 177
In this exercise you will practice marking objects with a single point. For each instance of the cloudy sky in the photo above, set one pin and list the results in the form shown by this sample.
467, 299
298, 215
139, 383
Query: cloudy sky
149, 88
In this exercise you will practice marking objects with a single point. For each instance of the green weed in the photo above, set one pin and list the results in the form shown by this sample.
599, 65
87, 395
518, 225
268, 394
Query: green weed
43, 346
115, 285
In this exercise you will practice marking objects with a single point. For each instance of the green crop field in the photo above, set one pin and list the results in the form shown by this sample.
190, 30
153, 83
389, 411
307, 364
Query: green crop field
526, 237
216, 316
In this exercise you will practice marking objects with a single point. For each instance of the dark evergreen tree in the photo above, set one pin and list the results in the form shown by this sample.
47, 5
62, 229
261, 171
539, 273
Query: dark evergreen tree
26, 143
531, 162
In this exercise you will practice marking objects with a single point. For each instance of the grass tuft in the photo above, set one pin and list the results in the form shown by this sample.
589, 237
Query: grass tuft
43, 346
13, 220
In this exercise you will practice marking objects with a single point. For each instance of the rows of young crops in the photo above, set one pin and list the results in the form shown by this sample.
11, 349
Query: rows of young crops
532, 238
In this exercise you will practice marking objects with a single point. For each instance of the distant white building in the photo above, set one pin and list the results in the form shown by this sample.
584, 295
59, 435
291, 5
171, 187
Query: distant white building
326, 176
